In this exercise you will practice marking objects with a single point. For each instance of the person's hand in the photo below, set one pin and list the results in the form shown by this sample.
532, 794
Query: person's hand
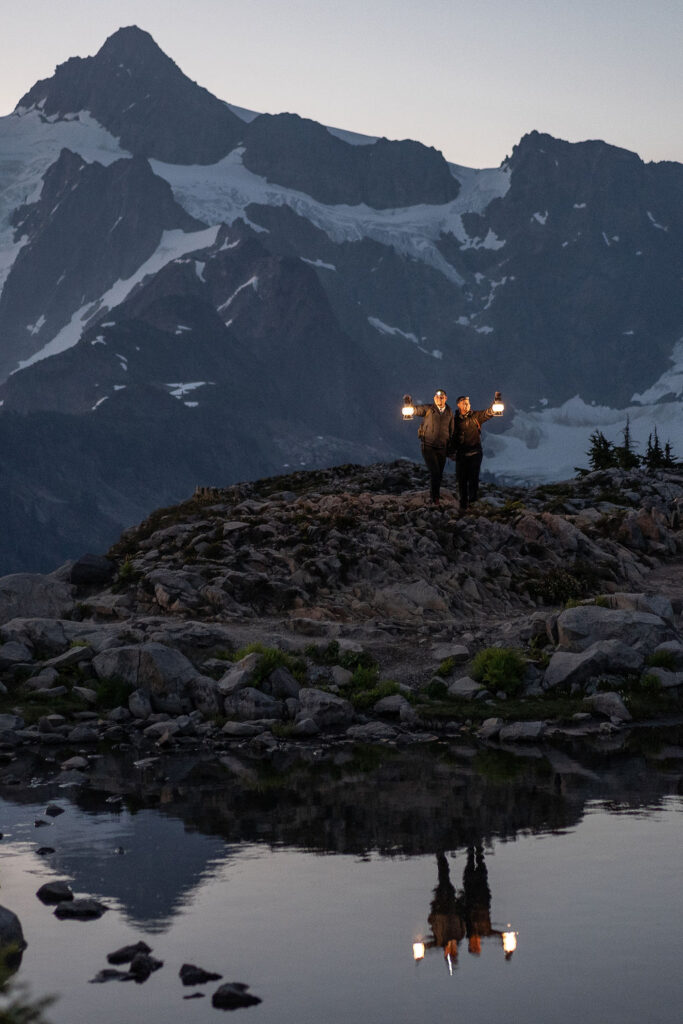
497, 396
407, 399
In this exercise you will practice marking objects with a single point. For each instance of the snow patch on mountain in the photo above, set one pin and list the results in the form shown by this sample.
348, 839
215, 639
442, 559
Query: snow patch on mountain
29, 143
222, 192
173, 245
549, 444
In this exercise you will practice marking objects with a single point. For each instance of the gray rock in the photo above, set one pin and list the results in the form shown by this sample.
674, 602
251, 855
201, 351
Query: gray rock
77, 763
281, 684
9, 723
341, 676
610, 705
83, 734
250, 703
568, 668
159, 730
203, 693
239, 675
11, 934
81, 910
85, 694
119, 715
239, 729
14, 653
458, 652
522, 732
490, 728
305, 727
41, 634
392, 705
326, 709
55, 892
160, 670
90, 570
372, 732
74, 656
653, 603
580, 627
139, 704
43, 680
465, 687
31, 595
233, 996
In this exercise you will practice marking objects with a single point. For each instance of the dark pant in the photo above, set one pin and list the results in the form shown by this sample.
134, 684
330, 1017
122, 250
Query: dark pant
435, 459
467, 474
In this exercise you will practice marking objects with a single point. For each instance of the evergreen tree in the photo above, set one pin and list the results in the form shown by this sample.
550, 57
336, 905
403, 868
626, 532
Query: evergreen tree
626, 458
668, 461
601, 452
654, 456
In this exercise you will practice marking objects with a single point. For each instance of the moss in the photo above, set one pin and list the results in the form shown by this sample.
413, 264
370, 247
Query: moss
271, 658
446, 667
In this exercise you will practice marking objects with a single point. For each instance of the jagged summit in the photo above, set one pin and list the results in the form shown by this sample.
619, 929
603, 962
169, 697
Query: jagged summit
143, 98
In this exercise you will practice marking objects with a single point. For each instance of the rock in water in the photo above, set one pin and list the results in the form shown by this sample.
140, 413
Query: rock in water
232, 996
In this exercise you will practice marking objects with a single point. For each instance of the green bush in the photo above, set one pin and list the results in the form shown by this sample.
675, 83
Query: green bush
436, 689
500, 668
364, 699
446, 667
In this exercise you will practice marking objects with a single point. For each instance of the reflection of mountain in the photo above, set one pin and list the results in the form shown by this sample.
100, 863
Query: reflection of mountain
149, 879
350, 800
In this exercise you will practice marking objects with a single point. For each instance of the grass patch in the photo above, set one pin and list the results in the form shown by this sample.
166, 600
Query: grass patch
663, 659
500, 668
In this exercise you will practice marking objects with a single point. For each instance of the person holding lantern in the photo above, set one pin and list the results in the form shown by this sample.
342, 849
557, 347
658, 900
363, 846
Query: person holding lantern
436, 436
466, 446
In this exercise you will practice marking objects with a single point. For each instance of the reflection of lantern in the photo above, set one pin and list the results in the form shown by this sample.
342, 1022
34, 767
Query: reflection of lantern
509, 942
498, 407
408, 410
418, 950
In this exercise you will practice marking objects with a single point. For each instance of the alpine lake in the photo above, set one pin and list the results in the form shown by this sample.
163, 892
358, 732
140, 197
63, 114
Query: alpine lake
440, 882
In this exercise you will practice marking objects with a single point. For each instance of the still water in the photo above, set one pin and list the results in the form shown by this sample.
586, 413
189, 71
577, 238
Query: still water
583, 868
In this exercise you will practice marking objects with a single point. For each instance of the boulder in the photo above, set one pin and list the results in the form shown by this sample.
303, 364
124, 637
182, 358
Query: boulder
233, 996
139, 704
490, 728
250, 703
91, 570
610, 705
203, 693
578, 628
239, 675
655, 604
12, 942
160, 670
574, 668
465, 687
392, 705
325, 709
31, 595
372, 732
55, 892
281, 684
81, 910
521, 732
14, 653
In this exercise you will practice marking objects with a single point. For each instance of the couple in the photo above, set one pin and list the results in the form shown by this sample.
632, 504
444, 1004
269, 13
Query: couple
445, 433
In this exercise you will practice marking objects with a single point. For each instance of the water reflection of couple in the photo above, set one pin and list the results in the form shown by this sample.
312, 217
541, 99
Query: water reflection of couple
467, 913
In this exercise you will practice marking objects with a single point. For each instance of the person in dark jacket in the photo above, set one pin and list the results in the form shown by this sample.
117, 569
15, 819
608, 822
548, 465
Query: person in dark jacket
436, 438
467, 448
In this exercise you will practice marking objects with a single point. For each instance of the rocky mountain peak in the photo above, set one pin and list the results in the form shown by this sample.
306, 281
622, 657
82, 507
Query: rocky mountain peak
143, 98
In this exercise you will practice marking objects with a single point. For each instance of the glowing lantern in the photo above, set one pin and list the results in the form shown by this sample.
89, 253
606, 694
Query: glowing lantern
509, 943
498, 407
418, 950
408, 410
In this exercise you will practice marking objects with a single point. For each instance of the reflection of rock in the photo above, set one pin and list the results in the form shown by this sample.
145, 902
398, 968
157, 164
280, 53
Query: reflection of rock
80, 910
12, 942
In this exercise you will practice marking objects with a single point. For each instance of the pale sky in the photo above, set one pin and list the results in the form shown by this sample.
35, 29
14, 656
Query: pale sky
469, 77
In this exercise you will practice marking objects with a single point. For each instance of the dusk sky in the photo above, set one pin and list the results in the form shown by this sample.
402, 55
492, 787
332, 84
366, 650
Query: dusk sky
469, 77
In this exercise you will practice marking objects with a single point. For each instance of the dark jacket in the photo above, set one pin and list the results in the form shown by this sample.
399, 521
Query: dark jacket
467, 431
437, 429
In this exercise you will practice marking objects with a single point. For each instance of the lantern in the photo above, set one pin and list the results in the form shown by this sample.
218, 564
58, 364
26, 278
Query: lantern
498, 407
408, 410
509, 943
418, 951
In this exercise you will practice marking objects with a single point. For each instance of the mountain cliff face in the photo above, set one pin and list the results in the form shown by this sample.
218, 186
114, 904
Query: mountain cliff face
190, 298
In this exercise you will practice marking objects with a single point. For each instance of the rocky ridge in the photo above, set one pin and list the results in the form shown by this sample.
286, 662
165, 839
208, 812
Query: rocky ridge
338, 606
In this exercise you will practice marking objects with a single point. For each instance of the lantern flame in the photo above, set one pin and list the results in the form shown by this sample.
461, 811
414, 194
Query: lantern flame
509, 942
408, 411
418, 950
498, 408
